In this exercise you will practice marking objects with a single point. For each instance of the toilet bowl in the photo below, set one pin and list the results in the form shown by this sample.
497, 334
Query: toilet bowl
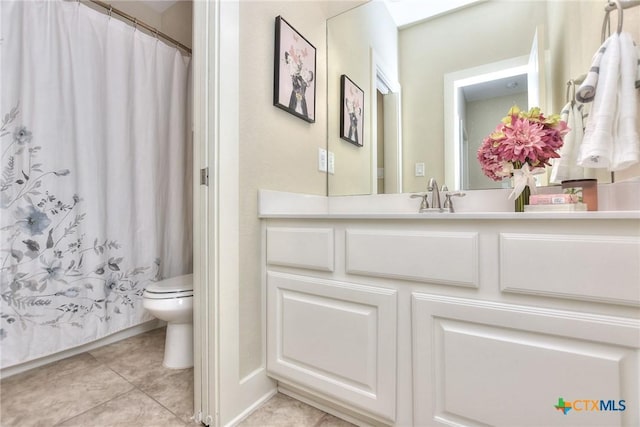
171, 300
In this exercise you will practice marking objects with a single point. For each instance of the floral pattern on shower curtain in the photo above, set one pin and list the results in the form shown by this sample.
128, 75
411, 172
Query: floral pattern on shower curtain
95, 184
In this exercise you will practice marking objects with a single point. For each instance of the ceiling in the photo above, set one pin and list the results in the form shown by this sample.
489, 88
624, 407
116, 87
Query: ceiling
403, 12
492, 89
408, 12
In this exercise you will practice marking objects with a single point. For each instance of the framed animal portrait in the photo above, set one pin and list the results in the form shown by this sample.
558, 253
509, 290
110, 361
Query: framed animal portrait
295, 72
351, 111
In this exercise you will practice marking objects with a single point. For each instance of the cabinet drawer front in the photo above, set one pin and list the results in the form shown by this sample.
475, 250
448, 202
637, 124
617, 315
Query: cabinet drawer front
335, 338
431, 257
593, 268
497, 364
308, 248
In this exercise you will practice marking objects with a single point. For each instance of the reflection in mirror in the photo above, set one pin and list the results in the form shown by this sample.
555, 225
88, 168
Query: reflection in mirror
363, 45
475, 100
417, 57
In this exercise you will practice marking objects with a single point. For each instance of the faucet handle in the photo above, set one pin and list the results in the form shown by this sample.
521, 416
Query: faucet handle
448, 203
424, 204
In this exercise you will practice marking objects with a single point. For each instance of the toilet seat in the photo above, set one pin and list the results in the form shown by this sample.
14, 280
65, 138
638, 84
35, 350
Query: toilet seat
175, 287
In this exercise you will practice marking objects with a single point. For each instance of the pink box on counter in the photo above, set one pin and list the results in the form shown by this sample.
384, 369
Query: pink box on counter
553, 199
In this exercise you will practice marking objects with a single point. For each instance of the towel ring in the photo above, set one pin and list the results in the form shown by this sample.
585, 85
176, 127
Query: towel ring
569, 96
606, 23
616, 4
620, 14
606, 27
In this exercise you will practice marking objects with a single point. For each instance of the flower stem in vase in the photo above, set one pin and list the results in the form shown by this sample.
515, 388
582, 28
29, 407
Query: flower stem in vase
522, 199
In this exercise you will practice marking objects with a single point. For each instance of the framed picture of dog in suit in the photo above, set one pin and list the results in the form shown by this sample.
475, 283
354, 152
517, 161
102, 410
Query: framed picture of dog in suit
295, 72
351, 111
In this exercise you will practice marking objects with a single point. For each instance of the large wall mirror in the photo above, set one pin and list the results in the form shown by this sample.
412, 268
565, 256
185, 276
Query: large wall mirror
411, 132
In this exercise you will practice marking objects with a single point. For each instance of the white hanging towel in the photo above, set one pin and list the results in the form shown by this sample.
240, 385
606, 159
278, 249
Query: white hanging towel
638, 70
626, 145
566, 167
587, 90
597, 144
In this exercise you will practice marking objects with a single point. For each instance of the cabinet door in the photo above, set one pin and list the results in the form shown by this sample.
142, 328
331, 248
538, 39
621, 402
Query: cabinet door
484, 363
335, 339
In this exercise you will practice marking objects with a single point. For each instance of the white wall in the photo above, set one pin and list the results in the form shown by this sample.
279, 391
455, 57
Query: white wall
351, 36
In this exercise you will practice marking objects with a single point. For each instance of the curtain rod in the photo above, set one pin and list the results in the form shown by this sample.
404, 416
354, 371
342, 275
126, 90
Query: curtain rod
110, 9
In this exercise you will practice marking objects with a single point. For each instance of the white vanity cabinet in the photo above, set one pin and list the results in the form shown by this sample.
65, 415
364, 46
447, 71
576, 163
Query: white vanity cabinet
459, 320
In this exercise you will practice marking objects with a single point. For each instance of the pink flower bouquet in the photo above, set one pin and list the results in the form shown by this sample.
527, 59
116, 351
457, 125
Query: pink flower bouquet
523, 140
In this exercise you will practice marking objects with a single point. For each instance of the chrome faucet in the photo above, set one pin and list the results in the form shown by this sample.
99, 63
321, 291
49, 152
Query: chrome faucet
436, 205
435, 193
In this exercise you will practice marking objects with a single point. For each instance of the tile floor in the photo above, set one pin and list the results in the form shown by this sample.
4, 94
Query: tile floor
121, 384
124, 384
283, 411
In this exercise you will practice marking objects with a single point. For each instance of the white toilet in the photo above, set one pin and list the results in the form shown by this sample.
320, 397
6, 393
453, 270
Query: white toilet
171, 300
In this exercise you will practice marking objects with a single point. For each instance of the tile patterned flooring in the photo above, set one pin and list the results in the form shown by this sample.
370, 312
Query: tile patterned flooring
121, 384
283, 411
124, 384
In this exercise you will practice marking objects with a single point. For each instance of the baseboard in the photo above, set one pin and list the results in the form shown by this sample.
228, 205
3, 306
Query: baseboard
118, 336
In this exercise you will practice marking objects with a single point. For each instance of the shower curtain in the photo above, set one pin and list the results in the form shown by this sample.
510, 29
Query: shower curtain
95, 185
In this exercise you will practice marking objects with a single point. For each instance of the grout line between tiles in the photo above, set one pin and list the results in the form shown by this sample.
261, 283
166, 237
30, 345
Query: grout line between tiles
132, 387
100, 363
160, 403
136, 387
94, 407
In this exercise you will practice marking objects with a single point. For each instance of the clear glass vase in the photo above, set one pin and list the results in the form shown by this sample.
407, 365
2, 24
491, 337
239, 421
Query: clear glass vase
522, 199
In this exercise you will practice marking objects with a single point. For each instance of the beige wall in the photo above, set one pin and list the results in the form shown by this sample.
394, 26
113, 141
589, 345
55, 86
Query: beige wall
138, 10
571, 56
380, 138
481, 34
351, 36
176, 21
278, 151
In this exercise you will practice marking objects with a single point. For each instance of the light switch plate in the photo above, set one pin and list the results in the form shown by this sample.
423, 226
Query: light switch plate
419, 169
332, 162
322, 159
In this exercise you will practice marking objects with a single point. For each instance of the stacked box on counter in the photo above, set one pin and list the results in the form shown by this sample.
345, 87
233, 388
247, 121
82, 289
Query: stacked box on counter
553, 199
554, 203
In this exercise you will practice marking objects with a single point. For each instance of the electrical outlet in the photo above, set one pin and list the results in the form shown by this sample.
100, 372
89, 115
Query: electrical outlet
332, 163
419, 169
322, 160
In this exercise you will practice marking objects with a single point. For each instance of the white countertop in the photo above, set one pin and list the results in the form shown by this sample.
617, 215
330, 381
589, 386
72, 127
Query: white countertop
486, 205
461, 215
